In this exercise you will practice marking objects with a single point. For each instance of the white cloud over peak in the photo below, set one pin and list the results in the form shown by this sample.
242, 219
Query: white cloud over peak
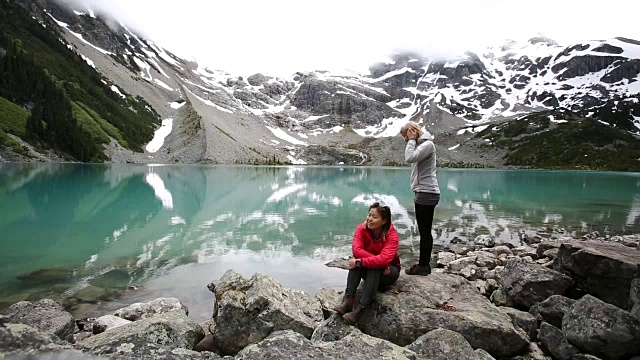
284, 36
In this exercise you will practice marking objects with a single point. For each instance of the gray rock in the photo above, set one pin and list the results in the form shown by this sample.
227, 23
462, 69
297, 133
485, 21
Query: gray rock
485, 240
173, 330
257, 79
471, 272
112, 321
523, 320
332, 329
138, 311
552, 309
442, 344
328, 298
45, 315
485, 260
634, 292
555, 342
460, 249
587, 357
17, 337
249, 310
551, 253
422, 304
444, 258
527, 283
602, 329
548, 244
483, 355
288, 344
499, 250
500, 298
459, 264
603, 269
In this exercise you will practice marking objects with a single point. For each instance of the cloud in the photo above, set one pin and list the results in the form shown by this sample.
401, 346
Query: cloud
284, 36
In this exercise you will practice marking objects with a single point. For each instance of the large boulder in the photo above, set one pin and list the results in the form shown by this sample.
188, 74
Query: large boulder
528, 283
552, 310
112, 321
602, 329
289, 344
45, 315
139, 311
555, 342
603, 269
418, 305
634, 298
328, 298
169, 330
523, 320
17, 337
247, 311
442, 344
332, 329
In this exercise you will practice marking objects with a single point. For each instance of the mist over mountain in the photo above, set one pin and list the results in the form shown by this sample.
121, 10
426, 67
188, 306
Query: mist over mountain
532, 103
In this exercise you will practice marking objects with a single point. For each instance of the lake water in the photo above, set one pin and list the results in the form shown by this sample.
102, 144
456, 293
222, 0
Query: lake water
82, 234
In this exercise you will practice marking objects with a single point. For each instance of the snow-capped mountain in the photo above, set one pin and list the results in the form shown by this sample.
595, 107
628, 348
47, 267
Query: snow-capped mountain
321, 117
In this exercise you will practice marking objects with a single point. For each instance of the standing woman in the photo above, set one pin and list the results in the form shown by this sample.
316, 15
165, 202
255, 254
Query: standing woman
420, 152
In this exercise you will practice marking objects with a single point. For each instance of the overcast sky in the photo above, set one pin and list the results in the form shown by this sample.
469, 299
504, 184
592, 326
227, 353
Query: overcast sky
281, 37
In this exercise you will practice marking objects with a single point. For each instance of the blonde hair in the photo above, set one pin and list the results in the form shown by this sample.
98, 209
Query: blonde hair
410, 125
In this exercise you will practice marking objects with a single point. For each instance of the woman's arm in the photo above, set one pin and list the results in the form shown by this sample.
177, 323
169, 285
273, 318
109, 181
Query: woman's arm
386, 256
358, 244
413, 153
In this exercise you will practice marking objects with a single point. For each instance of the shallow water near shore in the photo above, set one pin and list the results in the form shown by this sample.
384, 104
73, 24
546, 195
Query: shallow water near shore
83, 234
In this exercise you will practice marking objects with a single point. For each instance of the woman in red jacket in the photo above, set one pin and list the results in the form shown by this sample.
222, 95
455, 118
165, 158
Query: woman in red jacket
375, 259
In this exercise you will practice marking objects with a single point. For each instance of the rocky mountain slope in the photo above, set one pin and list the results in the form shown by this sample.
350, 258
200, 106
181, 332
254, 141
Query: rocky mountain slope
211, 116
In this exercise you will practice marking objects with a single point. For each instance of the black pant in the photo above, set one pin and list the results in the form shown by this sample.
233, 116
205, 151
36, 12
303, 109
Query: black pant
424, 215
373, 280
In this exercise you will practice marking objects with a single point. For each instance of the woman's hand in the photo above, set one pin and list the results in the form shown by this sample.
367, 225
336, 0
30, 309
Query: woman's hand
387, 271
412, 134
352, 263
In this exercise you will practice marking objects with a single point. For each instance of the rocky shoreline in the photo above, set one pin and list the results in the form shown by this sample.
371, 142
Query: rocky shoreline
554, 298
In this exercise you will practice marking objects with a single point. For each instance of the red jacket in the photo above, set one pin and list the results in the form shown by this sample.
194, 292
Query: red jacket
378, 254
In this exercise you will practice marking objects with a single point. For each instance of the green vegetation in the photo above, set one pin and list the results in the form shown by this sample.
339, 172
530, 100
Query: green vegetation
579, 143
88, 124
72, 110
5, 140
104, 125
13, 118
460, 165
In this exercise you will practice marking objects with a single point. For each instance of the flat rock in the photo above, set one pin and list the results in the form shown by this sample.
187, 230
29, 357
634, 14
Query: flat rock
442, 344
145, 310
173, 330
602, 329
603, 269
528, 283
289, 344
45, 315
418, 305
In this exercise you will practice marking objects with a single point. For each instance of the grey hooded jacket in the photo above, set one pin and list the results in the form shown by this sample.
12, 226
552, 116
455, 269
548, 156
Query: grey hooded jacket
421, 154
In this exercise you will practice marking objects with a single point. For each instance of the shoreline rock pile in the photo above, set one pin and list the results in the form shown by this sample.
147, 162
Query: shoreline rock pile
556, 298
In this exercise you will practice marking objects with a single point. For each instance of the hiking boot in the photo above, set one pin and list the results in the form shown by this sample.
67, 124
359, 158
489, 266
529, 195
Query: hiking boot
417, 269
353, 317
345, 307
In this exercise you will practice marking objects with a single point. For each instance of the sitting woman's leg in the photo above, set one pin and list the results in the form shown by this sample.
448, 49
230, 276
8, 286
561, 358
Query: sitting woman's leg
387, 280
353, 280
369, 289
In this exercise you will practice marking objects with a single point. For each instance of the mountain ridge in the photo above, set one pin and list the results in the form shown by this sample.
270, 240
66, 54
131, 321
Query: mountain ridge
323, 118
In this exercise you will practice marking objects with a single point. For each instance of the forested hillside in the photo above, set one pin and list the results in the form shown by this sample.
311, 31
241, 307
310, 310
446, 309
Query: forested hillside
71, 109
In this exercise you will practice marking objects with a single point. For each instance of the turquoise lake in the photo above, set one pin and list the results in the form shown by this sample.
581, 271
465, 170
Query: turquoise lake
83, 234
